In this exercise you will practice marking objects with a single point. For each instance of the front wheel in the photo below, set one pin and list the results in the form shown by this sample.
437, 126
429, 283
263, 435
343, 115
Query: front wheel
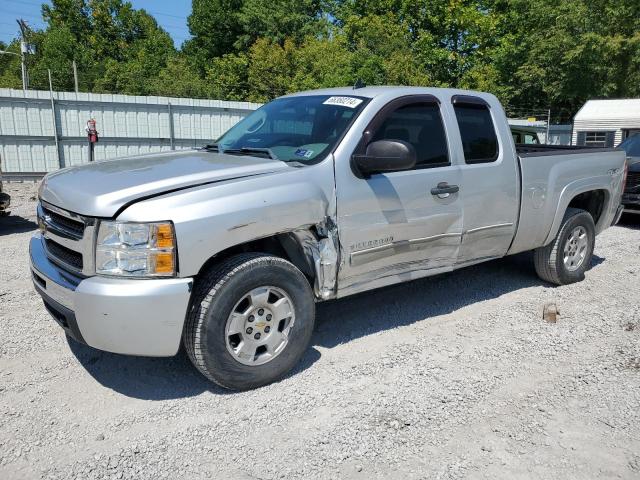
568, 256
250, 321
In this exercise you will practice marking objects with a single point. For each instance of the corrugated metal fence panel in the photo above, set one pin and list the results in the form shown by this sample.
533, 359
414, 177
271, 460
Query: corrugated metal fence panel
128, 125
28, 155
24, 117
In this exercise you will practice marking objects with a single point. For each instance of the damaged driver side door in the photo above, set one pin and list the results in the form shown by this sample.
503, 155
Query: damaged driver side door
401, 225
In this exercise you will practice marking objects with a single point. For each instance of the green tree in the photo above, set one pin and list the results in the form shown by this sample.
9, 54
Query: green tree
143, 59
220, 27
179, 78
382, 50
56, 51
441, 38
10, 66
116, 48
322, 63
75, 15
228, 77
279, 20
561, 53
215, 27
531, 53
270, 69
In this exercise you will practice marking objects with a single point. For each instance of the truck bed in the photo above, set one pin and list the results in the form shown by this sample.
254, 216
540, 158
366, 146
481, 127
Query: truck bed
550, 176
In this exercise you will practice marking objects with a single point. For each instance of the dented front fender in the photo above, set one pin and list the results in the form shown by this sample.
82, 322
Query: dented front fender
212, 218
321, 249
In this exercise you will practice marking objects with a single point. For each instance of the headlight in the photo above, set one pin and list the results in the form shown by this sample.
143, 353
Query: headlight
136, 249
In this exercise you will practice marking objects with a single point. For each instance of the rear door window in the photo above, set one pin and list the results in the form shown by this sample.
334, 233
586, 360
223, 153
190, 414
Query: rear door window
479, 139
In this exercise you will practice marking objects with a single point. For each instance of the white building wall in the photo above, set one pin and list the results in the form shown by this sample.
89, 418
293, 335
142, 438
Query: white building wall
607, 115
615, 125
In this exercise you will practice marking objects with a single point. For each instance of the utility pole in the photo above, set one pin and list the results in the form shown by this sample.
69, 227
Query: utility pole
24, 49
55, 122
75, 75
547, 141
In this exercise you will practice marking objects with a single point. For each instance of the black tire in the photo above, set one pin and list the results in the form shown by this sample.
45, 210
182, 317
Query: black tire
216, 294
549, 260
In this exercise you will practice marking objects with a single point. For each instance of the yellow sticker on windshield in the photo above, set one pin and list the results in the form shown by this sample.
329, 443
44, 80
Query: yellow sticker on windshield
350, 102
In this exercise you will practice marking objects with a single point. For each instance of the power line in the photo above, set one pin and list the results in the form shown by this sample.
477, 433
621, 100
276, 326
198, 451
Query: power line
37, 4
21, 14
40, 21
170, 25
164, 14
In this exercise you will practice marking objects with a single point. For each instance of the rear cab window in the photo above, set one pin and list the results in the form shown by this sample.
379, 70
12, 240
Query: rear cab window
477, 131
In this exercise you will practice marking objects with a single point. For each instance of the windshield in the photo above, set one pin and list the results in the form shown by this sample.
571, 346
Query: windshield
303, 128
631, 146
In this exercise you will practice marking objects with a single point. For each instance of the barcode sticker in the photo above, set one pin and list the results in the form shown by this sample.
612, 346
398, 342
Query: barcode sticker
350, 102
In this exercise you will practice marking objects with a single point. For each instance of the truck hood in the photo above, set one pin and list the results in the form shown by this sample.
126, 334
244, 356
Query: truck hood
101, 189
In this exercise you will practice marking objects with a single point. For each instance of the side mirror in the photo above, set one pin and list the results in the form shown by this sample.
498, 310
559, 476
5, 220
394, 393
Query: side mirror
385, 156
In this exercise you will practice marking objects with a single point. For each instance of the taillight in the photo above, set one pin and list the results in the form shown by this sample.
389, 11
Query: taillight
624, 175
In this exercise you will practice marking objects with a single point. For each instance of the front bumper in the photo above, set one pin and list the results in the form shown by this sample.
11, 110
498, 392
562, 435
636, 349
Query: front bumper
133, 317
631, 202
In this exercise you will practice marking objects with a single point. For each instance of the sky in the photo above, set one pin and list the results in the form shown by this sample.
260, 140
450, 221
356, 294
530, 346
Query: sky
171, 15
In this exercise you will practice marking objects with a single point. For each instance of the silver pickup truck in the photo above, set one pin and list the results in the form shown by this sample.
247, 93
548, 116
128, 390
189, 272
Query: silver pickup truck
314, 196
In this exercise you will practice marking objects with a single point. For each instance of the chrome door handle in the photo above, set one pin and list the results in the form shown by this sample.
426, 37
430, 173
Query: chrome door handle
443, 190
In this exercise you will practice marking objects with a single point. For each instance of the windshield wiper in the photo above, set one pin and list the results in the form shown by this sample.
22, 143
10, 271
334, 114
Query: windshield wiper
214, 147
251, 151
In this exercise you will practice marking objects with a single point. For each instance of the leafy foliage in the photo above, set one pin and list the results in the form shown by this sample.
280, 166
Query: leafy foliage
531, 53
116, 48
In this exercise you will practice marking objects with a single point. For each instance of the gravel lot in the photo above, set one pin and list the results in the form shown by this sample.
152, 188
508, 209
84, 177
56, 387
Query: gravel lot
456, 376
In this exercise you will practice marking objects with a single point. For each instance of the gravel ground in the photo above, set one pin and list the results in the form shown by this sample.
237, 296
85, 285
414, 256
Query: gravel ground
453, 377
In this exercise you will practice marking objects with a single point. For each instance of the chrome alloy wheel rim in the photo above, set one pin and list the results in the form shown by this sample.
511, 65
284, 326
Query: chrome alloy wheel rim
575, 249
258, 328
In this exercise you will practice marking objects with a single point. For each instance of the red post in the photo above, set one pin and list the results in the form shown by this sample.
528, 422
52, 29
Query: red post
92, 136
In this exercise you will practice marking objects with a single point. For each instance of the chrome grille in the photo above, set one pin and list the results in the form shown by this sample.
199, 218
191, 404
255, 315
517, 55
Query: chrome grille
65, 224
64, 255
68, 238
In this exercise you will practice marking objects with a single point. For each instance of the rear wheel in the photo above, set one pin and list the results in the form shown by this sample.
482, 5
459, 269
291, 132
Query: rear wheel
250, 322
568, 256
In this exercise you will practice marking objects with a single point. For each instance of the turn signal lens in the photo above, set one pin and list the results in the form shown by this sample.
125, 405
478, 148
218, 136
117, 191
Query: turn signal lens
164, 236
164, 263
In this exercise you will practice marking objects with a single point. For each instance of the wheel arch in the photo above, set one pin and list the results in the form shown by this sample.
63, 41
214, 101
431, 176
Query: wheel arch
312, 249
281, 245
592, 201
593, 198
